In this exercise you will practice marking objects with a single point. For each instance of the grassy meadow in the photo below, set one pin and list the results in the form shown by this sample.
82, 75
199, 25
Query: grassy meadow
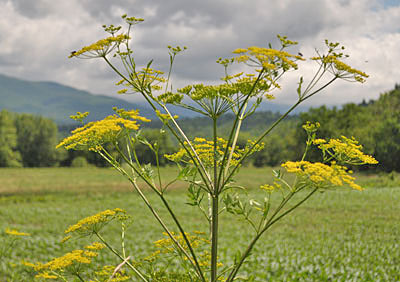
339, 235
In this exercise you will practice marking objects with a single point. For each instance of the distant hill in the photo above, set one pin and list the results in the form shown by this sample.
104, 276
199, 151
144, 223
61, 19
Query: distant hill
254, 125
57, 101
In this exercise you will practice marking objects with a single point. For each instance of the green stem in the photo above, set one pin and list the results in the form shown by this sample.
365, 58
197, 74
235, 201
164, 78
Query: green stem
234, 127
197, 265
80, 278
235, 139
214, 210
270, 222
193, 258
206, 178
122, 258
260, 138
214, 238
158, 169
153, 211
200, 163
273, 126
123, 239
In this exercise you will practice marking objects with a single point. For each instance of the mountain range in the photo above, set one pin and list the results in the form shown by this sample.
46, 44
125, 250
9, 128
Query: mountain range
58, 102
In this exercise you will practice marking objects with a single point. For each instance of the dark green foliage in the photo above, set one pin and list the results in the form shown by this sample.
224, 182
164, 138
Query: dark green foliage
37, 139
159, 140
28, 140
9, 155
79, 161
387, 147
375, 124
202, 126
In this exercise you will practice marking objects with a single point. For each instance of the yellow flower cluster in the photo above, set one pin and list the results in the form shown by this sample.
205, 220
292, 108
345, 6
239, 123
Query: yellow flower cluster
165, 117
95, 222
311, 127
94, 134
170, 98
132, 20
200, 91
79, 116
100, 48
267, 58
346, 150
205, 151
271, 188
245, 83
70, 263
166, 245
14, 232
341, 69
176, 50
122, 91
239, 84
95, 246
108, 270
286, 42
205, 261
322, 175
46, 275
146, 80
67, 260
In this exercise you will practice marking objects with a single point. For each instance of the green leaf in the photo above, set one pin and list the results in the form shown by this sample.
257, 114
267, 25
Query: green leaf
299, 87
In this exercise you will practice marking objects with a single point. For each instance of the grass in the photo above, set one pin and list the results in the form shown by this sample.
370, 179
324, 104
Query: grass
339, 235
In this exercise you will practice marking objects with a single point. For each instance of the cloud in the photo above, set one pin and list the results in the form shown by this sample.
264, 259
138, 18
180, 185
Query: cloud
37, 36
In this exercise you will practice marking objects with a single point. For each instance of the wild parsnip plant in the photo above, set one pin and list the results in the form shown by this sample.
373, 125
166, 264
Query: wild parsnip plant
9, 240
12, 236
209, 166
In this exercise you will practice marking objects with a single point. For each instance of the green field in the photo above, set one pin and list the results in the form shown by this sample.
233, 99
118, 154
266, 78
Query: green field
339, 235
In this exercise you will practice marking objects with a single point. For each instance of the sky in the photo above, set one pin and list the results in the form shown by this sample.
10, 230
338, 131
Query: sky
36, 37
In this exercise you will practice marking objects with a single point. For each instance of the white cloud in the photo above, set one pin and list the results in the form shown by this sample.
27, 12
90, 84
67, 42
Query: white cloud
36, 37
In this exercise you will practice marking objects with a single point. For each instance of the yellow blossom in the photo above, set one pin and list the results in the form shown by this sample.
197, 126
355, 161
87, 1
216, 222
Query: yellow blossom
95, 222
311, 127
268, 58
322, 175
94, 134
95, 246
165, 117
67, 260
170, 98
146, 79
332, 63
14, 232
100, 48
271, 188
66, 238
269, 96
122, 91
319, 141
79, 116
29, 264
345, 150
108, 270
46, 275
205, 151
90, 254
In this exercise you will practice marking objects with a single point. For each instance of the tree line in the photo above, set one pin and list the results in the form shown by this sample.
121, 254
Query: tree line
29, 140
